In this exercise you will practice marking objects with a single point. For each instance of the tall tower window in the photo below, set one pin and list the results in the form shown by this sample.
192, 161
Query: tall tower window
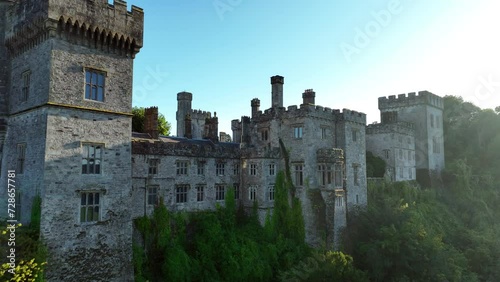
21, 157
298, 173
297, 132
26, 86
252, 195
94, 85
89, 207
153, 195
91, 158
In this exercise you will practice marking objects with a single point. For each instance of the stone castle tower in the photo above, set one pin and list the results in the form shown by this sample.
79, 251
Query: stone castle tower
425, 111
66, 96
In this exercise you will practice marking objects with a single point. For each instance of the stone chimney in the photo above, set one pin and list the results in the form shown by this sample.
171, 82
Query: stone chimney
277, 91
151, 122
187, 130
212, 128
255, 107
308, 97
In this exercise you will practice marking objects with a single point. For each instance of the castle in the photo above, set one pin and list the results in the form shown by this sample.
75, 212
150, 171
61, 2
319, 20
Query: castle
65, 128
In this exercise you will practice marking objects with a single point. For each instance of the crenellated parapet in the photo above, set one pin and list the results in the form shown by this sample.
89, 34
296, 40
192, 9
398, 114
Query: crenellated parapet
91, 23
309, 110
406, 128
200, 115
350, 116
260, 153
410, 99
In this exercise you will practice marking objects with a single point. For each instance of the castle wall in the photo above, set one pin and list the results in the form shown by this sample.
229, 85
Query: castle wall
395, 144
87, 251
37, 62
28, 129
167, 179
420, 110
68, 66
350, 136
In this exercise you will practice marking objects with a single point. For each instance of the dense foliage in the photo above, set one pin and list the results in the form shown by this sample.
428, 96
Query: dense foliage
138, 122
29, 251
375, 166
225, 245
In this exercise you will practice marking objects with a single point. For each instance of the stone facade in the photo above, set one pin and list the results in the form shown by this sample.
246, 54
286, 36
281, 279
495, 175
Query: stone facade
65, 127
395, 144
425, 111
67, 85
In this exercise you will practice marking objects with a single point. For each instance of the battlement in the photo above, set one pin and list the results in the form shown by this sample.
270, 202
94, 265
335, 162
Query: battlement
185, 96
406, 128
199, 114
92, 23
351, 116
410, 99
308, 110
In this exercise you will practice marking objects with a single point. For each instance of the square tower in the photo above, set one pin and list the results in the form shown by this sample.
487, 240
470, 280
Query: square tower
425, 111
68, 138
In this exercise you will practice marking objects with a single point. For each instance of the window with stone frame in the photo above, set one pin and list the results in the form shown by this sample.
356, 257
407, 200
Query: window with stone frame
264, 134
272, 169
325, 174
21, 158
25, 91
236, 191
220, 168
94, 85
387, 153
324, 133
236, 169
253, 169
201, 167
271, 192
153, 194
339, 201
200, 192
181, 193
298, 172
297, 132
252, 193
355, 169
338, 176
182, 167
354, 135
153, 166
220, 192
401, 172
91, 158
90, 207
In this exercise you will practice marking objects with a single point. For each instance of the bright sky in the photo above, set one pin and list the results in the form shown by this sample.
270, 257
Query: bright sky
349, 52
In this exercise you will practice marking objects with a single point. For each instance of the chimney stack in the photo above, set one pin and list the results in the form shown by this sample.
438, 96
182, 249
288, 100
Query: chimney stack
277, 91
212, 128
151, 122
308, 97
255, 107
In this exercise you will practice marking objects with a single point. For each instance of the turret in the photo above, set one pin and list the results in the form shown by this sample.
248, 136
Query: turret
277, 91
255, 103
151, 122
184, 100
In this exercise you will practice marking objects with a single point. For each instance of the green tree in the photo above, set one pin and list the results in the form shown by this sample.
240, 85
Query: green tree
375, 166
138, 121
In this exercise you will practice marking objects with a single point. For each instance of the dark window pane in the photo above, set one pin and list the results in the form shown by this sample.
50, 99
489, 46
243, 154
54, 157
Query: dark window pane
94, 78
96, 214
91, 199
100, 79
94, 93
82, 213
87, 77
90, 213
84, 200
100, 94
96, 198
87, 91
